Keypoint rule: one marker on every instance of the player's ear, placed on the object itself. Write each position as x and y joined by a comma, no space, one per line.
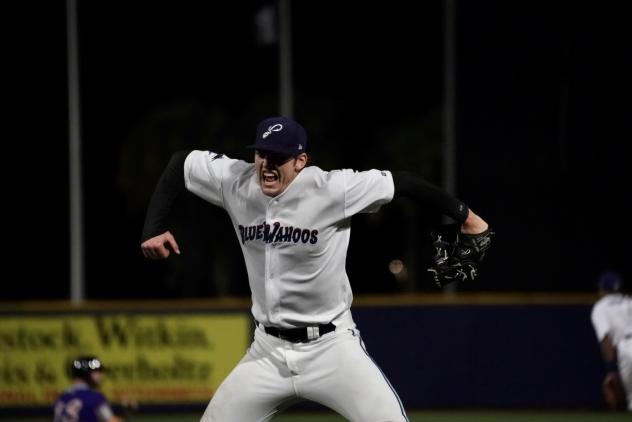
300,162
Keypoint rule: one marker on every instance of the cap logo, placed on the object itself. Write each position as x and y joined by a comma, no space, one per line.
273,128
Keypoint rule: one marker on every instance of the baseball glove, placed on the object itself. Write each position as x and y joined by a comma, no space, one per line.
457,256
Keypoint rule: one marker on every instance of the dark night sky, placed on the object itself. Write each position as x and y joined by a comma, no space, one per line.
541,133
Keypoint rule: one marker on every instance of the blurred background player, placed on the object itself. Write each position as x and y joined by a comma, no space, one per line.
82,402
612,319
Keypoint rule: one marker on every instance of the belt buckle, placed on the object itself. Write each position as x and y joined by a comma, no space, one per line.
307,334
313,333
295,335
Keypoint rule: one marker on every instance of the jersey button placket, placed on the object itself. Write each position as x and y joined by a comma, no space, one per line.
271,285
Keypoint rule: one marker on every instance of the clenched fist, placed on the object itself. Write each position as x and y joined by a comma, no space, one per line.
160,247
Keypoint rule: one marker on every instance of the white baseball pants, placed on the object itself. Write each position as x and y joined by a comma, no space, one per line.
334,370
624,356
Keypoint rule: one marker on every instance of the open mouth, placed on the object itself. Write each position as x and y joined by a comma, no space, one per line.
269,176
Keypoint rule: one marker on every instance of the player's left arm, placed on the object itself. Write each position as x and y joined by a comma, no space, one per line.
608,352
104,413
458,250
425,193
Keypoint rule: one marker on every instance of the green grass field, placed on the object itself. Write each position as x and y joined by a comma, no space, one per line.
420,416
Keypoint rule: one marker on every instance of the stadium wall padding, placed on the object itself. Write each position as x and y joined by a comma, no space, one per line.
440,354
519,356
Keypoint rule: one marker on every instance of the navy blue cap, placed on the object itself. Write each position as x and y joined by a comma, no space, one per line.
281,135
610,281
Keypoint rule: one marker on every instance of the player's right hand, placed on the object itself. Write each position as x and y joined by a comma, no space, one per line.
160,247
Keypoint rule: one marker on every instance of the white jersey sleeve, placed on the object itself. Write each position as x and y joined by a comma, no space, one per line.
600,322
205,172
612,316
366,191
104,412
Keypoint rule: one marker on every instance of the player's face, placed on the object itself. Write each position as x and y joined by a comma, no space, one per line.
277,171
96,376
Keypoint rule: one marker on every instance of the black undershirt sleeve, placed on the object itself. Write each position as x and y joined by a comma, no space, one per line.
170,185
419,190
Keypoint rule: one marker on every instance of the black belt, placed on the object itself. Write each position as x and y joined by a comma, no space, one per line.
300,335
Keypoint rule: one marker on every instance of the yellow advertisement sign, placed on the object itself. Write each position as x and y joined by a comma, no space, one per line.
153,358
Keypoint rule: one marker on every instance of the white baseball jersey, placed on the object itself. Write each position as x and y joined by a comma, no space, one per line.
612,316
295,244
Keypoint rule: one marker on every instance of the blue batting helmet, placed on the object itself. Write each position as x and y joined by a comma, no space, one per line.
610,281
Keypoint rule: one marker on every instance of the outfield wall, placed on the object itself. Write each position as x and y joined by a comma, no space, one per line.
487,356
465,351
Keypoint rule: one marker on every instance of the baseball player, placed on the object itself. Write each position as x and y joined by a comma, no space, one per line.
82,402
293,224
612,319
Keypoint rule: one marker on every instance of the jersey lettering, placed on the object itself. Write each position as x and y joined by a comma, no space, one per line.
69,411
276,233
